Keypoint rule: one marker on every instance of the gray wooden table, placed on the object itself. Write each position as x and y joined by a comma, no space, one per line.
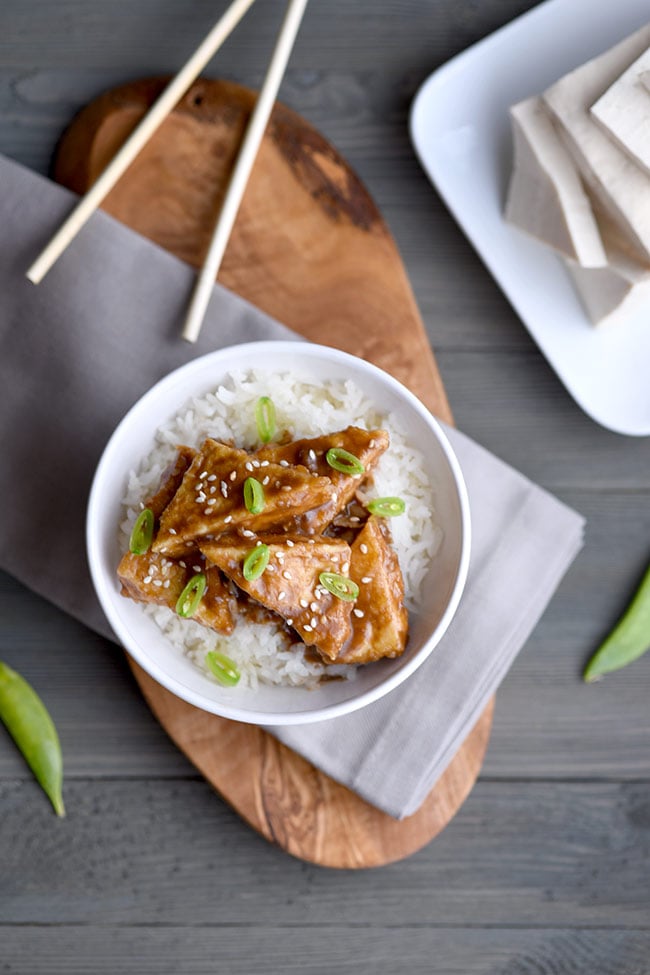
546,867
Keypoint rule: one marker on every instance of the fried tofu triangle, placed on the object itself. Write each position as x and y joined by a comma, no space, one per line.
366,445
379,618
152,578
210,500
170,481
290,586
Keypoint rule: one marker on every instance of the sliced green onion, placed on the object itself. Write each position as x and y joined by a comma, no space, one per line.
188,601
339,586
223,668
254,496
255,562
265,418
386,507
343,461
142,533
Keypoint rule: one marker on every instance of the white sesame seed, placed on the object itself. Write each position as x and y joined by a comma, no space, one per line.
311,541
335,557
197,568
270,568
366,579
284,463
358,612
157,582
183,564
153,567
207,511
265,480
256,463
247,533
212,477
312,455
363,548
227,519
314,607
307,627
264,463
304,603
335,496
248,466
289,622
224,489
345,567
172,531
258,543
202,475
233,475
281,595
141,506
213,489
372,443
166,584
286,487
317,592
286,574
277,484
290,544
313,622
147,580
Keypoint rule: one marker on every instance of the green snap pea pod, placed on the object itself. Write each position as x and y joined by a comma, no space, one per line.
31,727
629,639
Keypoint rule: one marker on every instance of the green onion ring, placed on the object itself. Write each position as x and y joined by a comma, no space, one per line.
142,533
223,668
343,461
254,496
339,586
386,507
188,601
255,562
265,418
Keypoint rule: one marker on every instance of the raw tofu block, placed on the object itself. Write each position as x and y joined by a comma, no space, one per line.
611,293
546,198
619,184
623,112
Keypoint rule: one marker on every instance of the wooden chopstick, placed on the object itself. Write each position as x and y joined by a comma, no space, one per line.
243,166
143,131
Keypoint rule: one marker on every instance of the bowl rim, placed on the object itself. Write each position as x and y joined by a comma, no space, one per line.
172,684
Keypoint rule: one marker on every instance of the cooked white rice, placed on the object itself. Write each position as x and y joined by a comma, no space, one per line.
304,409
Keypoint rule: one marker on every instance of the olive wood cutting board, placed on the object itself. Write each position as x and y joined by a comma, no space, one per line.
310,248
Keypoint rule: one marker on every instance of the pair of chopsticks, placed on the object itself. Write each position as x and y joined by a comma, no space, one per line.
154,118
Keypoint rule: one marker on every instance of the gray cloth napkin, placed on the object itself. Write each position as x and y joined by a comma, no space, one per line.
75,354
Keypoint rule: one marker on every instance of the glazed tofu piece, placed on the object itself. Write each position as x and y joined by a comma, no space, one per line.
366,445
170,481
379,618
153,578
290,584
210,500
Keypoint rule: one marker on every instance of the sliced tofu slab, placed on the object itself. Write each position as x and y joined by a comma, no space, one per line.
366,445
609,294
170,481
623,112
152,578
622,188
545,197
210,500
290,585
379,617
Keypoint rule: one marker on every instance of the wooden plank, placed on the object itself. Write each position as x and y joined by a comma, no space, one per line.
320,950
169,852
348,290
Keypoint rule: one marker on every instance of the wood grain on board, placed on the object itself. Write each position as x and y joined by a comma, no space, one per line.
310,248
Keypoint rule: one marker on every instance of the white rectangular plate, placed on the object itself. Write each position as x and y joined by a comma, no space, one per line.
461,132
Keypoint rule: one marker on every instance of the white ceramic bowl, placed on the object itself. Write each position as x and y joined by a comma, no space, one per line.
272,705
